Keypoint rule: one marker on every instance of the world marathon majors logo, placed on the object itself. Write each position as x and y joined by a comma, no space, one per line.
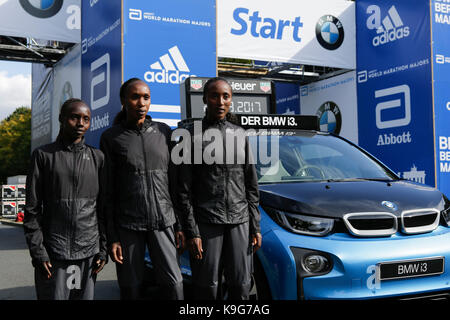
41,9
330,118
329,32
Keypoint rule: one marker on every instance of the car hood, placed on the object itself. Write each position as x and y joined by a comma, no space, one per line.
334,199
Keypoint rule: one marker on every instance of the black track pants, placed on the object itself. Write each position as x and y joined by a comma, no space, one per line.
228,247
162,251
71,280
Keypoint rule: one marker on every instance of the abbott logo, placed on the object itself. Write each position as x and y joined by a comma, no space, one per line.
171,68
100,78
362,76
135,14
396,103
390,29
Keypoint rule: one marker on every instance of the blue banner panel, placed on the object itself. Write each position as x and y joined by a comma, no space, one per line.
395,114
287,98
101,64
440,20
166,42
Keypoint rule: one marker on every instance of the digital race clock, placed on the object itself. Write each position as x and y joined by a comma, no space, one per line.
250,96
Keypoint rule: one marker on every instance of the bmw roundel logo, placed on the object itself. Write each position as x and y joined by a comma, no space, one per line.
389,205
329,32
41,8
330,118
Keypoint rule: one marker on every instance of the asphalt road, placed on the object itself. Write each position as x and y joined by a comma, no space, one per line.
17,274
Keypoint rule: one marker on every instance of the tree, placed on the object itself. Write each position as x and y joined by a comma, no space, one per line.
15,143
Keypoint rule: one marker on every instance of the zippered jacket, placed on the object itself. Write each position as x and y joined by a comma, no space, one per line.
63,218
139,192
218,193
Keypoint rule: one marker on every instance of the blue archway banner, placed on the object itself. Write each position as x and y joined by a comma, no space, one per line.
394,87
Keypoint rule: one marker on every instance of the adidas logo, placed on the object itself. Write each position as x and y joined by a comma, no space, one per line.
391,27
172,68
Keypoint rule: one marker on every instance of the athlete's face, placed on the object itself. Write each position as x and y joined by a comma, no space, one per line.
137,102
218,100
75,121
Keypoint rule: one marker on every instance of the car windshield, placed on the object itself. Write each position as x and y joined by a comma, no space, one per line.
298,156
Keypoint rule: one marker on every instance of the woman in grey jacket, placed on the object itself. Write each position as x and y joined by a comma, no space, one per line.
219,201
140,196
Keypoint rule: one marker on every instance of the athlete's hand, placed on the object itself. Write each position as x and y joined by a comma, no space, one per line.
195,248
46,267
256,241
116,252
180,240
98,266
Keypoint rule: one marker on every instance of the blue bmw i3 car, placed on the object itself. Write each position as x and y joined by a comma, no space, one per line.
339,224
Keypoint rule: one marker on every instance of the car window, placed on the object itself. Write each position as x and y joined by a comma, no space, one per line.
312,157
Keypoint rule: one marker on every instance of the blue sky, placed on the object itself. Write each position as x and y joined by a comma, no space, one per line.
15,86
14,68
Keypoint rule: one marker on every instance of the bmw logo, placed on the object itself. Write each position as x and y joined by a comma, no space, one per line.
330,118
389,205
329,32
41,8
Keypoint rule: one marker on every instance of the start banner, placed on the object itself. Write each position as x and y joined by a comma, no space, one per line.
321,34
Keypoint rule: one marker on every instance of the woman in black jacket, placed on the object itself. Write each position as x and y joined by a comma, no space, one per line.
63,223
220,202
139,196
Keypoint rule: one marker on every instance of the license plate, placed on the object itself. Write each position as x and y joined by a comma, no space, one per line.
410,268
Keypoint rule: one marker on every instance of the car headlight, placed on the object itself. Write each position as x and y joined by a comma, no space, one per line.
302,224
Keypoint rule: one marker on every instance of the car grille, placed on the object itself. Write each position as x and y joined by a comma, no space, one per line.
378,224
420,221
371,224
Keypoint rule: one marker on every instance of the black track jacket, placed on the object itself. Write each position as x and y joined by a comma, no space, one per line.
63,218
219,193
139,193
